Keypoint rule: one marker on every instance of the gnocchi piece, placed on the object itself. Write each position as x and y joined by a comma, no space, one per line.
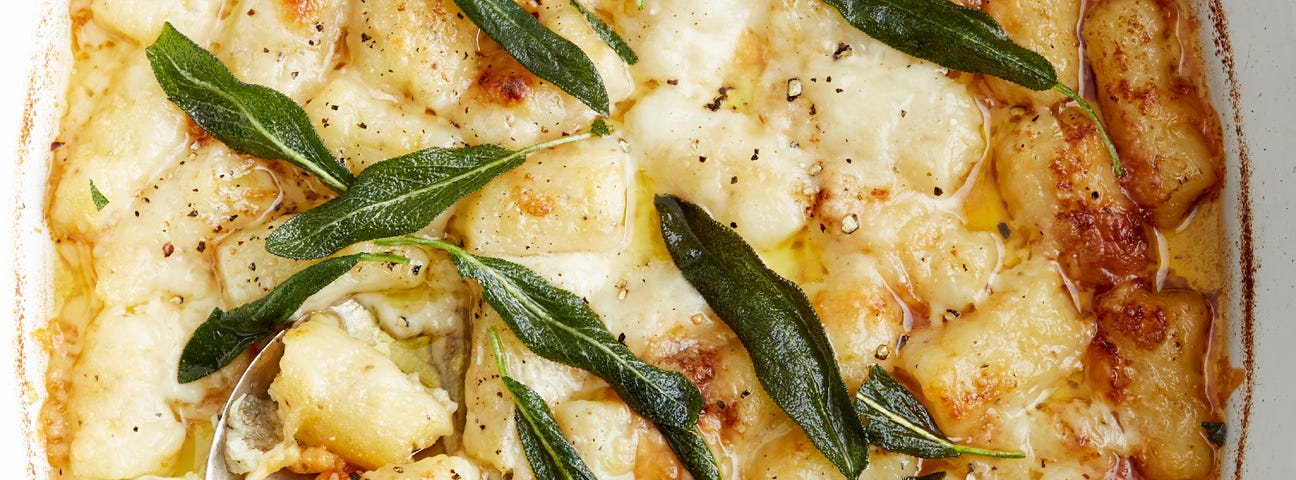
123,388
426,50
1002,356
1049,29
490,431
854,217
130,141
508,105
440,467
337,392
289,46
691,40
1165,130
141,20
743,171
1062,436
791,456
603,435
571,25
172,229
949,266
574,198
1059,186
432,310
855,101
738,417
928,142
365,125
863,319
652,305
1150,354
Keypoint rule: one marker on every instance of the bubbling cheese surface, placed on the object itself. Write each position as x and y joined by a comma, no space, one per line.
966,234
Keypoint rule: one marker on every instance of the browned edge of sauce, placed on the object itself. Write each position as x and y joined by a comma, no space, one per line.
40,79
1245,242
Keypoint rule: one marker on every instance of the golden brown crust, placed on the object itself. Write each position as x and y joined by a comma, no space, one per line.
507,86
1155,104
1148,358
303,12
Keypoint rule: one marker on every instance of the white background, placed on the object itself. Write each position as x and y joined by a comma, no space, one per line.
17,33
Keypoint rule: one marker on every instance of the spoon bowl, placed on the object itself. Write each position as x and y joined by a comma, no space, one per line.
256,383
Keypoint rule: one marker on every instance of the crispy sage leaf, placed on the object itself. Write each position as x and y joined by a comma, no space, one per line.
249,118
692,451
898,422
1215,432
950,35
550,454
220,339
609,36
774,320
399,196
559,326
540,50
960,38
100,201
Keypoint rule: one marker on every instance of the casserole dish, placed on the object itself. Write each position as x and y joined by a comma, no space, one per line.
1254,194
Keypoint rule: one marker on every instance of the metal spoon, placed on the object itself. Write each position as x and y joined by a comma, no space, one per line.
255,382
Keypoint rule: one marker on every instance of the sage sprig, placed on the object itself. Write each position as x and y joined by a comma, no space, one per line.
543,52
961,38
550,454
400,196
560,326
100,201
609,36
251,119
775,322
220,339
898,422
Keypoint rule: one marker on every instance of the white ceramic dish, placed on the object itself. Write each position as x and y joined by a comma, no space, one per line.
1252,74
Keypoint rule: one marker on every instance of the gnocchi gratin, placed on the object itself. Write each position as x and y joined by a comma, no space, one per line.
966,234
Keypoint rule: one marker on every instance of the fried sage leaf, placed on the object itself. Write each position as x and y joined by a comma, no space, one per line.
249,118
400,196
774,320
543,52
960,38
898,422
609,36
550,454
559,326
100,201
692,451
220,339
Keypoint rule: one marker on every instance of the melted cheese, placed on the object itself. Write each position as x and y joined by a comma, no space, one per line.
956,231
